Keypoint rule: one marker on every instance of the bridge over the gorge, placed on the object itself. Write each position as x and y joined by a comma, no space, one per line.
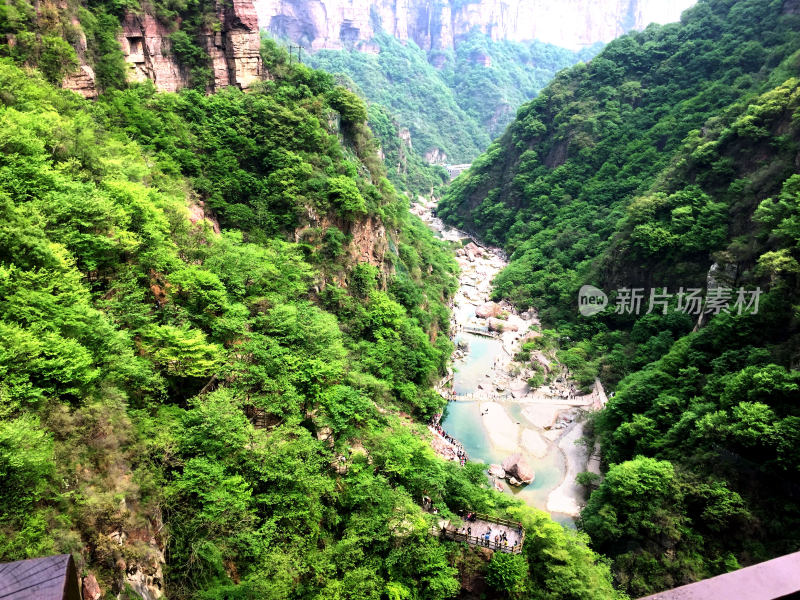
456,170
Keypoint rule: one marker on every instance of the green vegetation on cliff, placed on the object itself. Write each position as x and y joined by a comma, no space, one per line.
400,78
451,101
177,267
491,79
673,151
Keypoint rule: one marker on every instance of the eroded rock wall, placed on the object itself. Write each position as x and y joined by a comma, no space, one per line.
145,41
241,42
148,52
338,24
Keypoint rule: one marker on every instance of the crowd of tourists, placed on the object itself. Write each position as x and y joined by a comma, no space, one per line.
455,447
500,539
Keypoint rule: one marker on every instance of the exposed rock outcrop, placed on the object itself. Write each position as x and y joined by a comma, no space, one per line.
405,149
497,471
501,325
518,468
146,583
241,40
148,51
198,213
351,24
435,156
370,242
538,358
144,574
82,81
488,310
90,589
233,50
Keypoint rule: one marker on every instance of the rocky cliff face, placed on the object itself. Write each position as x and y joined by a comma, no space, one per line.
145,42
148,52
338,24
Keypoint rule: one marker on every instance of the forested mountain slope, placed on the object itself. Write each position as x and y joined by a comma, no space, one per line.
452,73
175,267
672,156
453,101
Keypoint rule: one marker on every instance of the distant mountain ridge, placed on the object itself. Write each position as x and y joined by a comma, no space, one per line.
352,24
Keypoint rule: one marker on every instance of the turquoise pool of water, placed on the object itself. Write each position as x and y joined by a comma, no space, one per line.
477,364
462,420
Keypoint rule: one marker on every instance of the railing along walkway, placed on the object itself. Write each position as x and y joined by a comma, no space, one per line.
477,331
474,533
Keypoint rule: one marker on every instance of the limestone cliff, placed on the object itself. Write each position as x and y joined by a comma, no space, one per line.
338,24
147,49
233,50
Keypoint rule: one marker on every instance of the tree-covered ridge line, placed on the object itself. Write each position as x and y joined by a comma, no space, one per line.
672,152
134,343
453,101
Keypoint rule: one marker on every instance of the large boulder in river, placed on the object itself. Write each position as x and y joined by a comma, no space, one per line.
473,250
497,471
490,309
500,325
518,467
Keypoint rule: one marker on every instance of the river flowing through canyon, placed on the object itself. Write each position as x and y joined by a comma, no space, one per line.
493,414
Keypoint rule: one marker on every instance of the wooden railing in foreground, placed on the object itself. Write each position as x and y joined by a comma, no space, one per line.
474,540
498,520
452,533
